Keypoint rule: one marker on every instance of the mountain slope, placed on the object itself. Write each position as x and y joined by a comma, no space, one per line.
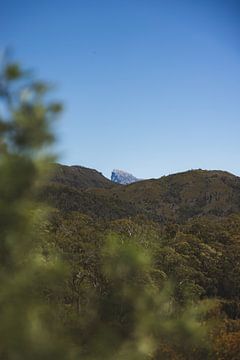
79,177
185,195
174,198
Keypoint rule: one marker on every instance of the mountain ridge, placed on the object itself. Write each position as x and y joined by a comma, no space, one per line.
79,177
172,198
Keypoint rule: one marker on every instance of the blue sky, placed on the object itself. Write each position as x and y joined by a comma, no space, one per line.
149,86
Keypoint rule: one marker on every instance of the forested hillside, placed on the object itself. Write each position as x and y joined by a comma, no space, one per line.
190,223
79,177
173,198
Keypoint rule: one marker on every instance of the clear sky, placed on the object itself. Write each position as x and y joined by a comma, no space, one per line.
149,86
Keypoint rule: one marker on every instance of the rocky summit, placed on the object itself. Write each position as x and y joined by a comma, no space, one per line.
122,177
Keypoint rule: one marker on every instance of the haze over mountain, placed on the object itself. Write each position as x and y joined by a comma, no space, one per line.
123,177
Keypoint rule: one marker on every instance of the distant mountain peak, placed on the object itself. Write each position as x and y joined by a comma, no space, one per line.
123,177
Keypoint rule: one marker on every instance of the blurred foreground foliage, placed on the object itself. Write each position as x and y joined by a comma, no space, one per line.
29,329
73,287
